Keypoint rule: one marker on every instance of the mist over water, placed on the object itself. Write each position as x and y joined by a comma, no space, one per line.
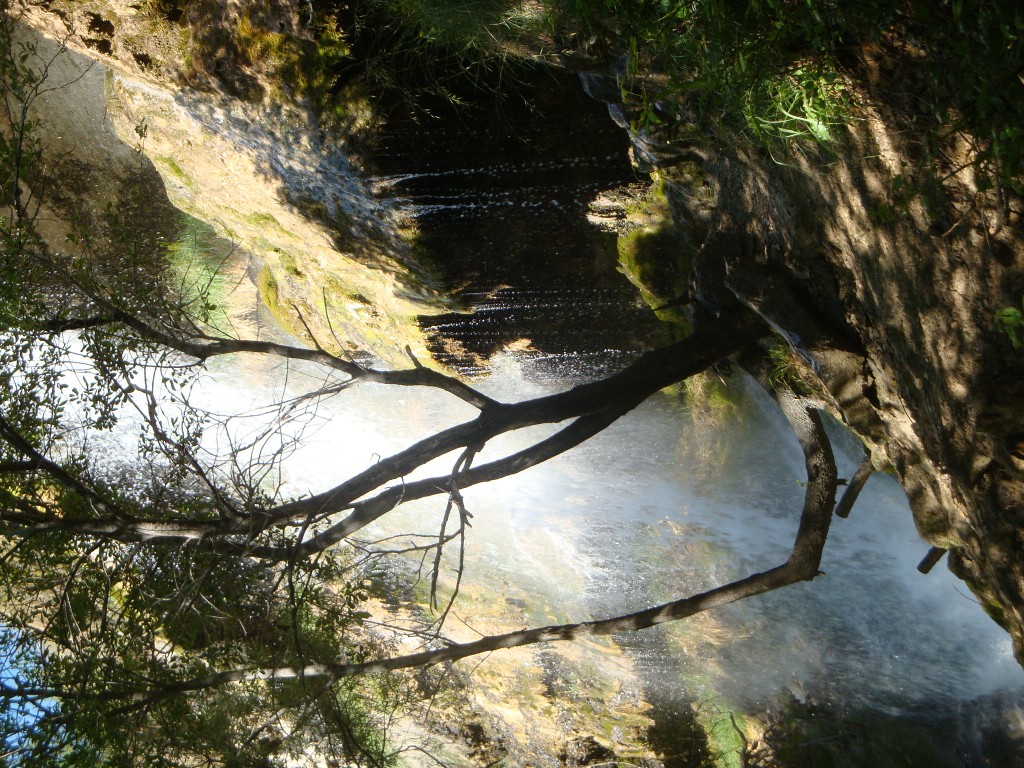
667,503
660,506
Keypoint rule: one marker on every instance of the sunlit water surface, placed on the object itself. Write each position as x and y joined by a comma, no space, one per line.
665,503
661,505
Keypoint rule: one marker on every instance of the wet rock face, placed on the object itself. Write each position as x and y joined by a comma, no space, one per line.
891,296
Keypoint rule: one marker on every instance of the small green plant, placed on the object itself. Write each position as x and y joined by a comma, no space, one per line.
780,69
1010,320
806,102
786,370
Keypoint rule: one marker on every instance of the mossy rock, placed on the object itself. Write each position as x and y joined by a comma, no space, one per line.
291,266
652,254
270,295
176,171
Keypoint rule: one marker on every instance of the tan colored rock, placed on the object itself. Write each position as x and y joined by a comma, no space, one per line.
317,248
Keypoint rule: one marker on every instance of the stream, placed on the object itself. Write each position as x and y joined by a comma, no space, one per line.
872,664
868,663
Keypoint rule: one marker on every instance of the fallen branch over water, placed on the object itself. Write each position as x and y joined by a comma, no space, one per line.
802,565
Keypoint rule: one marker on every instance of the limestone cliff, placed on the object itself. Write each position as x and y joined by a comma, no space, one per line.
307,239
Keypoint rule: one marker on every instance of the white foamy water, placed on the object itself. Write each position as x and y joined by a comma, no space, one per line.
659,506
872,620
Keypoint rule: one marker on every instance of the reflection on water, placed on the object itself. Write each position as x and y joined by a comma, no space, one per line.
556,322
502,187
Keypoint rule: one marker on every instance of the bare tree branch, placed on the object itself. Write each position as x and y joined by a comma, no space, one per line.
206,347
652,372
852,492
594,405
802,565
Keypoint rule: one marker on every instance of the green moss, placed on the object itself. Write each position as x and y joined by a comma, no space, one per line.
303,67
653,256
647,255
715,399
723,727
172,167
290,265
995,610
990,605
258,44
266,284
262,219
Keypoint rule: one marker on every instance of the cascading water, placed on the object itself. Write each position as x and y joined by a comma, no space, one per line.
663,505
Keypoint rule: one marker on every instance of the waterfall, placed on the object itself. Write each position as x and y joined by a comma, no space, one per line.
665,503
668,503
661,505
